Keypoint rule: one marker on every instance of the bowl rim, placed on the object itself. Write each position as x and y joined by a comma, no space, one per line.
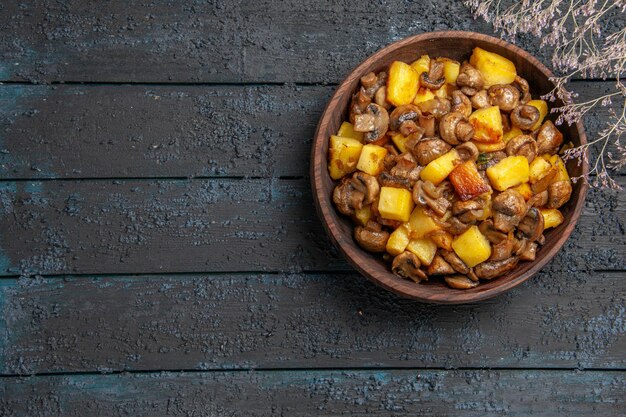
405,288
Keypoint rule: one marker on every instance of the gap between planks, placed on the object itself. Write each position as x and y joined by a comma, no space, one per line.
321,369
226,84
192,275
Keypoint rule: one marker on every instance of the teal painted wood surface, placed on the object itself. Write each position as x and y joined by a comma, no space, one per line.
218,41
321,393
117,131
248,321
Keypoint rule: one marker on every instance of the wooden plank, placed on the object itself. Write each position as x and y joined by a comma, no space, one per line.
320,393
221,41
100,131
160,226
559,319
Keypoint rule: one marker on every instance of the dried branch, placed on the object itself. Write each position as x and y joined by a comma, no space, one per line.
573,28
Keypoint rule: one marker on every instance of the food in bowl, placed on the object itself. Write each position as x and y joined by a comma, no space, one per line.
449,169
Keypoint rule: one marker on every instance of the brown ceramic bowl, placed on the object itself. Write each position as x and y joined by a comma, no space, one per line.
456,45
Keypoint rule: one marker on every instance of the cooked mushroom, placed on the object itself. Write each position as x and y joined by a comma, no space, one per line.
406,167
470,80
429,149
549,138
460,282
524,116
427,122
388,180
523,145
503,249
402,114
532,224
434,78
369,79
471,275
366,184
506,121
454,128
406,265
380,97
372,83
469,211
426,194
509,208
373,122
493,269
461,103
491,233
538,200
437,106
505,96
525,249
559,193
480,100
371,239
455,226
438,266
467,151
522,85
352,193
454,261
359,103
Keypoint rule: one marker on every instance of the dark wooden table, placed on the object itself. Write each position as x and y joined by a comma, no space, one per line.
160,254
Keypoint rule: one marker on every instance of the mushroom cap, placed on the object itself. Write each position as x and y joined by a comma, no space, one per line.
461,103
460,282
426,194
468,151
427,122
469,79
480,100
549,138
522,85
371,240
532,224
454,128
523,145
374,122
509,208
503,249
490,232
559,193
524,116
439,266
434,78
454,261
406,265
505,96
429,149
367,184
493,269
402,114
352,193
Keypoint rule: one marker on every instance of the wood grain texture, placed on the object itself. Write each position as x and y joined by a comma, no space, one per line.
320,393
217,41
97,131
558,319
159,226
